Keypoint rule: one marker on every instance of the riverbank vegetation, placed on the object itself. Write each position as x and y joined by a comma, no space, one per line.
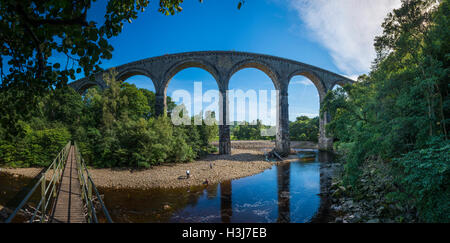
303,129
395,120
51,43
249,131
115,127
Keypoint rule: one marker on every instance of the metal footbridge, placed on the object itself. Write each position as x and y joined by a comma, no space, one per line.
67,192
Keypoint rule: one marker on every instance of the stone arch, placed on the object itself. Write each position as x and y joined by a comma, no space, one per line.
86,86
313,77
260,65
83,85
190,63
130,72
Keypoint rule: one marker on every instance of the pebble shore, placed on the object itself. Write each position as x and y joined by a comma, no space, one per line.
247,159
241,163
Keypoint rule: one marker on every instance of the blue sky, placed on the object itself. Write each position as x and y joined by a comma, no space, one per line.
335,35
260,27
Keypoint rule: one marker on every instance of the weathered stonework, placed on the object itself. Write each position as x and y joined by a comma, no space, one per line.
222,65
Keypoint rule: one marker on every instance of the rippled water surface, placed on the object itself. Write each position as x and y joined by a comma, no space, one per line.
285,193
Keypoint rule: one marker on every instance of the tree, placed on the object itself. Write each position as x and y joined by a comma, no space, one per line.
31,32
40,113
407,30
304,129
65,105
249,131
34,31
398,115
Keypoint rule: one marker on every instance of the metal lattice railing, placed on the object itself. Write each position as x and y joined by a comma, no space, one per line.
48,191
87,185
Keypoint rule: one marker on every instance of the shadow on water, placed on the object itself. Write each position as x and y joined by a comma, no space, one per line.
288,192
13,190
284,197
226,210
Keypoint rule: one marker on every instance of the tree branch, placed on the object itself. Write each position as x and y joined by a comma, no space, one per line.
80,20
39,55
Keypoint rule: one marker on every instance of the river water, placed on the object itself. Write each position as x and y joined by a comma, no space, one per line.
288,192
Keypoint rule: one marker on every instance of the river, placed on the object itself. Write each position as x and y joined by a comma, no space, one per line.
285,193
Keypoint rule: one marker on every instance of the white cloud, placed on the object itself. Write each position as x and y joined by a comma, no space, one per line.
346,28
303,82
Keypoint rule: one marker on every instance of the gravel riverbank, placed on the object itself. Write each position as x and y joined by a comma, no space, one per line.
241,163
247,159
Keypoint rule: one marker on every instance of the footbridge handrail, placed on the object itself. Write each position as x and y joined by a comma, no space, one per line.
87,185
57,167
50,191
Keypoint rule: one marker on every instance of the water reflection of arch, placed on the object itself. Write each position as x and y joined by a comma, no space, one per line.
211,191
325,157
226,210
284,195
326,171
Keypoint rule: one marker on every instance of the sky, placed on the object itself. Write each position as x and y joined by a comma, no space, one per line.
336,35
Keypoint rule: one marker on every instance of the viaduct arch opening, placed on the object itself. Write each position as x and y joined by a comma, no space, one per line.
324,142
251,90
201,87
304,101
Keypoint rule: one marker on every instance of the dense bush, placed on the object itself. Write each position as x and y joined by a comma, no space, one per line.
304,129
115,127
248,131
35,148
425,176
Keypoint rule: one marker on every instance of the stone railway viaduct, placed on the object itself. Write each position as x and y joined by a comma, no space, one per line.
222,65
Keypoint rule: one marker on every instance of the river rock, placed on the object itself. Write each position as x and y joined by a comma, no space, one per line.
336,207
348,204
